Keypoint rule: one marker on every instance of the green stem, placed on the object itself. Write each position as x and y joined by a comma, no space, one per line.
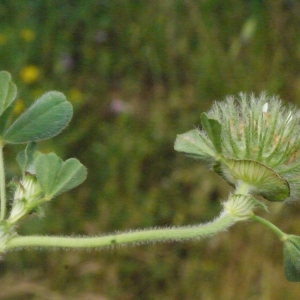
282,236
142,236
242,188
2,185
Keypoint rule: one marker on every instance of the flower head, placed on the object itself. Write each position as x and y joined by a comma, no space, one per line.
250,139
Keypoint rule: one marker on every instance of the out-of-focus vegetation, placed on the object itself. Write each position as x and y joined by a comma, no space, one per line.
138,73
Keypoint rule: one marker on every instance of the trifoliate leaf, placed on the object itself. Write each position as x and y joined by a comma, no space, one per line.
46,118
47,168
56,176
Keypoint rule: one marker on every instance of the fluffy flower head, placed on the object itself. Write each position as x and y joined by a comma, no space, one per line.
250,139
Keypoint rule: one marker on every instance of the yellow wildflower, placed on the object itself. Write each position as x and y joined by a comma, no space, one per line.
3,39
75,95
29,74
27,35
19,107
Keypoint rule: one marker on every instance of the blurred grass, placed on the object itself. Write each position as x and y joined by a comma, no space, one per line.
138,73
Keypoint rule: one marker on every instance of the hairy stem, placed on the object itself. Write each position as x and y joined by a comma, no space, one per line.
282,236
2,185
223,222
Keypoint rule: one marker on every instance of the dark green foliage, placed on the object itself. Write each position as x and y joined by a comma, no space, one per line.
167,61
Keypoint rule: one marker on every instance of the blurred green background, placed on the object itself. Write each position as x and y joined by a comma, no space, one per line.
138,73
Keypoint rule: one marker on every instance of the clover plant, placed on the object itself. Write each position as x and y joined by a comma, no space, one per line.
252,142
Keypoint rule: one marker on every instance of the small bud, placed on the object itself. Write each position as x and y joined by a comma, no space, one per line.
18,210
28,189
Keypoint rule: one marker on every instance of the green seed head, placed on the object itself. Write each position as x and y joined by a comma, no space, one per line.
250,139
